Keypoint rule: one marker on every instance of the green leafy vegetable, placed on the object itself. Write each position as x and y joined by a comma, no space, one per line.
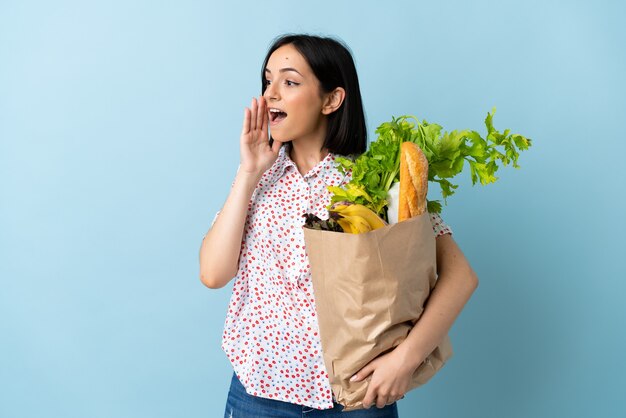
376,170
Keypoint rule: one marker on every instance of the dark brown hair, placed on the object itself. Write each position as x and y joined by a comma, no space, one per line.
332,64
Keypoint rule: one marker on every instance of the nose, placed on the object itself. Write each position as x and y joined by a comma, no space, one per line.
270,92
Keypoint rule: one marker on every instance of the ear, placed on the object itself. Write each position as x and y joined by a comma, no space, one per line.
333,100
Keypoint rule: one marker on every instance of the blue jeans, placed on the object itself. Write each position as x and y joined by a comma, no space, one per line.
240,404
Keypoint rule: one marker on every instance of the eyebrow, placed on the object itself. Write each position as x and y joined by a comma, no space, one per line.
282,70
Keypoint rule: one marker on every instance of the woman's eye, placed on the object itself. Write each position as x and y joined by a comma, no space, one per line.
292,83
267,82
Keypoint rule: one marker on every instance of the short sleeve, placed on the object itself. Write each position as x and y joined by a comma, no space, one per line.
439,226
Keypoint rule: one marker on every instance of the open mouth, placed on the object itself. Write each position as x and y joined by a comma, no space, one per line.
276,115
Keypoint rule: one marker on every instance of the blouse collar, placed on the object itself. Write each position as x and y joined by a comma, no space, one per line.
283,162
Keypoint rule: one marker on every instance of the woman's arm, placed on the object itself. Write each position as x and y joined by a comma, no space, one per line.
221,247
393,371
455,284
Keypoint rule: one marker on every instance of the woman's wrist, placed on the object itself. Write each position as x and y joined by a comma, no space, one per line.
249,179
409,356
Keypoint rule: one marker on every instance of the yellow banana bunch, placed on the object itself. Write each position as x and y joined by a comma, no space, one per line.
355,218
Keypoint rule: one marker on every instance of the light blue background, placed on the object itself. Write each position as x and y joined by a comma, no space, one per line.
119,130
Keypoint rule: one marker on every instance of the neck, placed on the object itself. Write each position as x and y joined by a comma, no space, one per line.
306,155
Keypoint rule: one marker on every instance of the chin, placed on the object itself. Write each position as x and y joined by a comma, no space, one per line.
280,139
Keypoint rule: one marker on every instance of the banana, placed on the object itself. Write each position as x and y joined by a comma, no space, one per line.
346,226
359,224
361,211
374,220
356,219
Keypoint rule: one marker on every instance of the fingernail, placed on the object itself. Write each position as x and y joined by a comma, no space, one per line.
353,378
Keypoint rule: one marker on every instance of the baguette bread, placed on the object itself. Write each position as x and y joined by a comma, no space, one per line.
413,181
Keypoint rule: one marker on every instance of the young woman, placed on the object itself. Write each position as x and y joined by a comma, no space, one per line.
311,104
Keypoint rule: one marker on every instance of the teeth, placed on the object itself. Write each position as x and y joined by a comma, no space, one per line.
276,110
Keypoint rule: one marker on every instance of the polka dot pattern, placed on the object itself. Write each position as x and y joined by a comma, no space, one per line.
271,335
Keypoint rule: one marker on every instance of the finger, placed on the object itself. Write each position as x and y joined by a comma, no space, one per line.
261,113
370,395
363,373
266,117
381,401
253,113
246,121
391,400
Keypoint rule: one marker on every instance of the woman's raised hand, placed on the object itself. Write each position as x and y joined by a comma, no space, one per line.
256,153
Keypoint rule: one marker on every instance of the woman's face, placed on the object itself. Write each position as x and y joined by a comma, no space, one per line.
294,98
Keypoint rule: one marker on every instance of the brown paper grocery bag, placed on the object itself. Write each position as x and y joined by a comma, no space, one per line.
370,290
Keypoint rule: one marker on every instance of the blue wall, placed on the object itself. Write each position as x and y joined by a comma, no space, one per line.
119,131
